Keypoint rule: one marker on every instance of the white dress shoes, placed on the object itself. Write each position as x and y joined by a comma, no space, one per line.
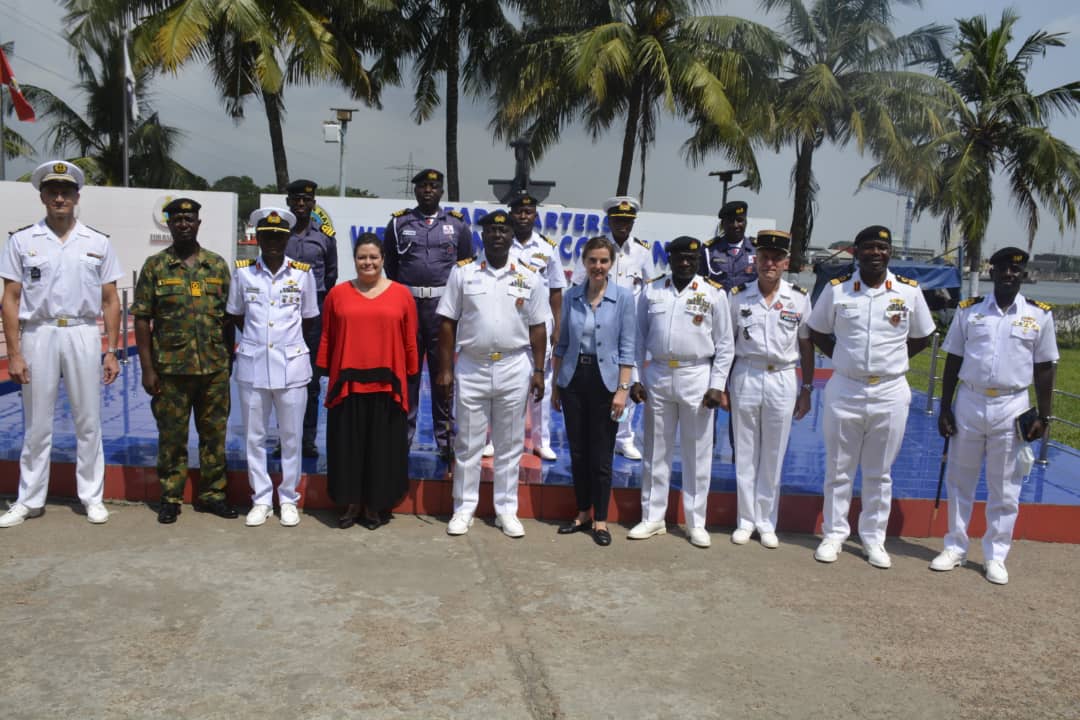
489,450
741,536
699,537
290,516
876,556
828,550
257,515
96,514
947,560
628,450
644,530
17,513
546,453
459,524
996,572
510,525
769,540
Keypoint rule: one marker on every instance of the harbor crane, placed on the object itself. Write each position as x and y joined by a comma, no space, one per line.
909,210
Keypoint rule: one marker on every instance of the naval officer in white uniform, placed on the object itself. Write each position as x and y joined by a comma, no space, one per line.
683,322
59,275
997,346
769,317
631,268
496,312
869,322
272,299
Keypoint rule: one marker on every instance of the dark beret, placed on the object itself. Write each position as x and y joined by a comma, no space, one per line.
427,175
874,232
734,209
683,243
496,217
1009,256
301,187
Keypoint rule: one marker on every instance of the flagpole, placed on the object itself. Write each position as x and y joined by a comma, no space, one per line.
3,149
127,102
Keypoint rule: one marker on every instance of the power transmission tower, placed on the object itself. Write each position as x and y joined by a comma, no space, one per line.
410,171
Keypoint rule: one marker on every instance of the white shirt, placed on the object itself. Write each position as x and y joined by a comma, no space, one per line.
272,353
542,254
769,332
494,308
1000,347
694,324
59,279
871,325
632,263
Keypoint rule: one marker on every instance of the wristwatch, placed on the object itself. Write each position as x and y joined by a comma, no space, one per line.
624,386
808,387
1045,419
538,370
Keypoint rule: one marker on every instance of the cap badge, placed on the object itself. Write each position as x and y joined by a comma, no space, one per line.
883,234
59,168
273,218
432,176
185,206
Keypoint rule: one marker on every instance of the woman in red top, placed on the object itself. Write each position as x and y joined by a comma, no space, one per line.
368,348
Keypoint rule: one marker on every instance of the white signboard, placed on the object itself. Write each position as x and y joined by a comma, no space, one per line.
569,227
131,217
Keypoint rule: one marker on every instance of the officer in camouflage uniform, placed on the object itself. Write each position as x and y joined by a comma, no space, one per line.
184,355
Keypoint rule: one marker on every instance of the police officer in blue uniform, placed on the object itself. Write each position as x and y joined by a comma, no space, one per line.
729,258
312,241
422,246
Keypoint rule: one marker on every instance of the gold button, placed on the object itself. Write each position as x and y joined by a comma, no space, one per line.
673,363
873,380
991,392
271,345
271,323
770,367
271,302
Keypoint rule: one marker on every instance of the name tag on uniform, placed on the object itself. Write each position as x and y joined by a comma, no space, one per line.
35,273
408,232
196,288
789,316
447,229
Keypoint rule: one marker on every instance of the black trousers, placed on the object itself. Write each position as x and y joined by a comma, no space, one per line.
591,433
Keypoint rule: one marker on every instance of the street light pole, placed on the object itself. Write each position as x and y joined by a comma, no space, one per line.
344,115
726,177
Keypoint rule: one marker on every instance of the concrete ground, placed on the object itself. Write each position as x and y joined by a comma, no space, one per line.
209,619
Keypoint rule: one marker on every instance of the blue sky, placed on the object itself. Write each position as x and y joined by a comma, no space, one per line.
381,142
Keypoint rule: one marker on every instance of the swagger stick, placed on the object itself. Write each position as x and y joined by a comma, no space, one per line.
940,480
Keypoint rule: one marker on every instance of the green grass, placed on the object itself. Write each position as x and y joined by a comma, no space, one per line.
1068,380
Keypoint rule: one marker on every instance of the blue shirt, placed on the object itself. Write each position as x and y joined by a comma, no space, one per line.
316,246
421,251
614,332
729,264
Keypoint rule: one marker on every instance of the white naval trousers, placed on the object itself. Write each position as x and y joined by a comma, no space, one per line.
985,427
490,393
762,402
75,353
673,401
540,411
864,427
288,405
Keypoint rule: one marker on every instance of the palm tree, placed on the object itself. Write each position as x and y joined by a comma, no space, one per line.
602,61
998,124
460,40
96,134
257,47
844,78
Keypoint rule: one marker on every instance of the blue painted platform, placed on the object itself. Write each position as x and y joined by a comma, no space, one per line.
131,440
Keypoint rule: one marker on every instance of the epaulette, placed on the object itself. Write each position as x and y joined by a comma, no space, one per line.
908,281
327,229
737,289
840,280
717,285
530,267
798,288
457,214
463,263
549,241
245,263
1041,305
399,213
96,230
301,266
969,302
643,243
658,277
20,229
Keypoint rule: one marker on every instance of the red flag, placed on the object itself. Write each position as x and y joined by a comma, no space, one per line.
22,108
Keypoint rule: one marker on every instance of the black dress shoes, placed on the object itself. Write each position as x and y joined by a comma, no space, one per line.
310,450
573,527
216,507
601,537
167,513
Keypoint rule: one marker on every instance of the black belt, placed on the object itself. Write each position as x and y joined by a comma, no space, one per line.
586,359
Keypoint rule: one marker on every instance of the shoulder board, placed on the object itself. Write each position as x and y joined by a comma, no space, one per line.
327,230
1041,305
735,290
798,288
840,280
549,241
463,263
529,267
644,243
21,229
399,213
658,277
245,263
969,302
96,230
908,281
301,266
717,285
455,213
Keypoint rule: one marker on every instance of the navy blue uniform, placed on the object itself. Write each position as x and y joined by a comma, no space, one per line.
730,264
420,252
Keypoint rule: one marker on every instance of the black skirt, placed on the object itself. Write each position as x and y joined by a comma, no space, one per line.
367,451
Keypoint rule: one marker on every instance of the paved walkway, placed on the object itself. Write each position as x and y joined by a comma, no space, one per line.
208,619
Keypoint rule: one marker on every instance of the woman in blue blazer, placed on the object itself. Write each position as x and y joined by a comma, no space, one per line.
591,364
